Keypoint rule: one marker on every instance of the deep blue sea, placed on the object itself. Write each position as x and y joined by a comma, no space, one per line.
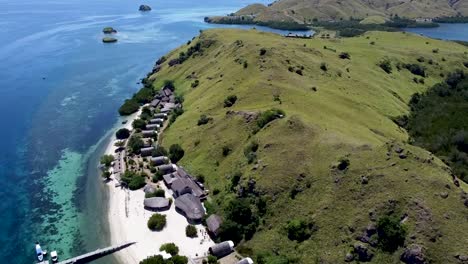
60,88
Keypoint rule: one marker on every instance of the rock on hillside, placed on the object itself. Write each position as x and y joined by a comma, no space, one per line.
324,179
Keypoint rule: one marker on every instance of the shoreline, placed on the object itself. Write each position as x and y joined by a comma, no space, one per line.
127,220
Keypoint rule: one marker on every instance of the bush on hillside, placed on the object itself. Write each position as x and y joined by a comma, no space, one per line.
176,112
170,248
391,233
323,66
157,222
195,84
176,153
191,231
230,100
386,66
299,229
122,133
344,56
203,120
226,150
416,69
268,116
169,84
262,51
129,107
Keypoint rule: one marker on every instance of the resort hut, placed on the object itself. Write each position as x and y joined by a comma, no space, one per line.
156,204
245,261
152,127
169,179
214,223
158,121
180,187
155,103
222,249
145,152
160,115
161,160
167,168
167,92
168,107
148,133
191,207
149,189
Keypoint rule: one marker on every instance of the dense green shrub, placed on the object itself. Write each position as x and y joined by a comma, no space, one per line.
136,183
391,233
159,151
191,231
344,56
262,51
299,229
139,124
203,120
212,260
245,64
230,100
157,222
178,260
176,112
158,259
416,69
226,150
268,116
169,84
129,107
386,66
170,248
156,193
195,84
122,133
176,153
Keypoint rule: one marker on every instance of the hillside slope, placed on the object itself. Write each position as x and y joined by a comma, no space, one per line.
308,10
336,161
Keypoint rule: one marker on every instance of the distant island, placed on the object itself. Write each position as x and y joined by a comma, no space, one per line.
109,40
144,8
109,30
389,14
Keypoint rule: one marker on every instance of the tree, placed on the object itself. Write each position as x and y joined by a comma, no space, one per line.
139,124
122,133
179,260
204,120
299,230
230,100
156,193
169,84
157,222
386,65
262,51
136,183
268,116
135,143
212,260
176,153
191,231
106,175
391,233
170,248
129,107
107,160
158,259
159,151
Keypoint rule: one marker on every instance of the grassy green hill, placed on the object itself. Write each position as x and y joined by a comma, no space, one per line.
308,10
335,164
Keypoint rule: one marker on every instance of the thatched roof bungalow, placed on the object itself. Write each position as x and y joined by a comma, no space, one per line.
168,107
161,160
156,204
214,224
160,115
145,152
245,261
222,249
158,121
191,207
167,168
148,133
155,103
180,187
152,127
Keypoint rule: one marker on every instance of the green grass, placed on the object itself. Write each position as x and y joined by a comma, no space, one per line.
328,118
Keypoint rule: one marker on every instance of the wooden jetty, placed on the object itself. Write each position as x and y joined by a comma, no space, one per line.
91,256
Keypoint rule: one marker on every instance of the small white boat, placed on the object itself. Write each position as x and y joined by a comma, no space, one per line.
39,252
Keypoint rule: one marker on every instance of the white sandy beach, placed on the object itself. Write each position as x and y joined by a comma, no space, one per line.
128,223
